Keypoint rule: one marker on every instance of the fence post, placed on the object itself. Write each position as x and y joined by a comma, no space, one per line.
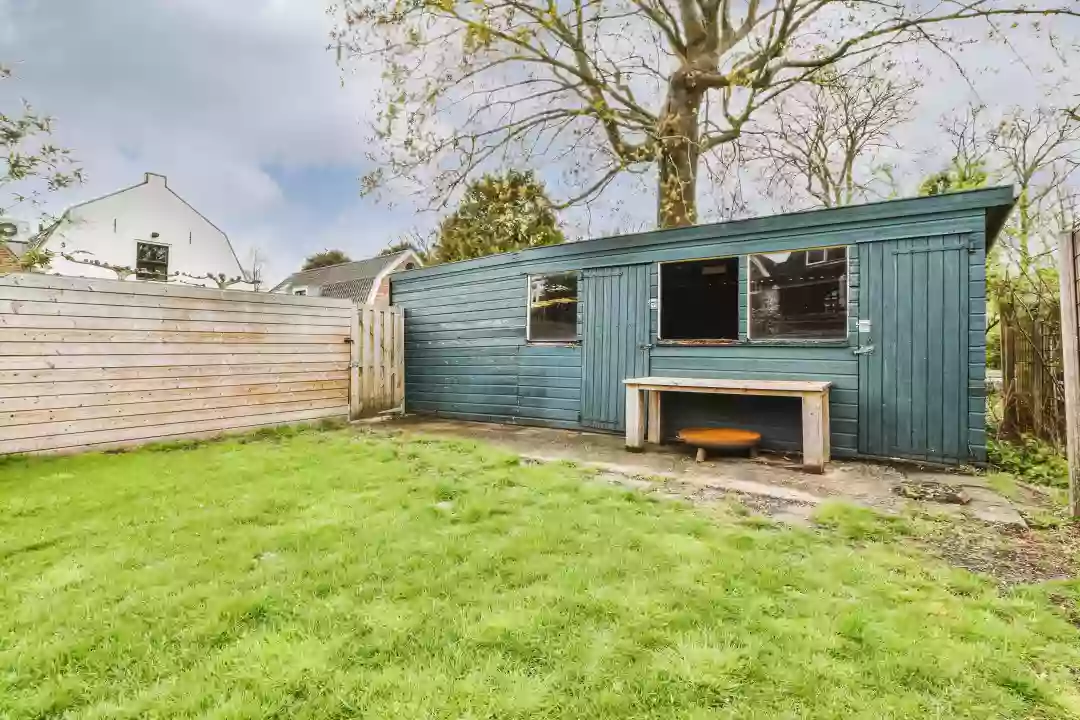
354,365
1008,373
399,359
1069,257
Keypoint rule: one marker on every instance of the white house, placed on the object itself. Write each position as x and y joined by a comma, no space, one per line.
146,227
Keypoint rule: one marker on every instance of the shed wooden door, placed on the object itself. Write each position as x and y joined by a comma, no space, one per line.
615,339
913,369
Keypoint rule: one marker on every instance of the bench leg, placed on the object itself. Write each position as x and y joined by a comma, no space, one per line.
635,419
654,417
700,457
826,424
815,432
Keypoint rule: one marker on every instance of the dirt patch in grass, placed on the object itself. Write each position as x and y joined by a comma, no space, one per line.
1009,555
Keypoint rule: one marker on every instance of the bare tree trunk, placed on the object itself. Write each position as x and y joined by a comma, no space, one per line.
680,149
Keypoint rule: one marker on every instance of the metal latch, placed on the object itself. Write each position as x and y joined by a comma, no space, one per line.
863,350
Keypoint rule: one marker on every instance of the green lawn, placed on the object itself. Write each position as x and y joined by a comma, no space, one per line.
330,574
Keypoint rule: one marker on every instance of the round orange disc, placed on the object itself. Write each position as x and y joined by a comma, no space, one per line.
719,438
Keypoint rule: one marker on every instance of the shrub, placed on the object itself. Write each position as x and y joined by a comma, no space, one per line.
1031,460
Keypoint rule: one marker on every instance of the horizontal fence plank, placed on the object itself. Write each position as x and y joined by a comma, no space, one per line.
57,282
39,396
125,437
31,423
114,349
219,372
74,427
16,362
20,307
70,336
83,323
241,303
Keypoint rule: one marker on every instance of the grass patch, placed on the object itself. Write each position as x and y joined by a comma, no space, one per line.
858,523
1003,484
325,574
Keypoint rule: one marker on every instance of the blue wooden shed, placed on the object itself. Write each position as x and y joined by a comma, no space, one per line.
886,301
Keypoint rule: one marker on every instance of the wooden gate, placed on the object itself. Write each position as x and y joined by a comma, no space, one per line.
378,361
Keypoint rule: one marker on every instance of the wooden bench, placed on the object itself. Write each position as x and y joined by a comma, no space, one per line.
815,408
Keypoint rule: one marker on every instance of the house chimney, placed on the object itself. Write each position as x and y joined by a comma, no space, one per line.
155,179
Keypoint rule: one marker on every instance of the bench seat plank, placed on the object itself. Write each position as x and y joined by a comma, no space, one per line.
793,387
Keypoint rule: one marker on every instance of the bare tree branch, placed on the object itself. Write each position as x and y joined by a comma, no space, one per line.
632,85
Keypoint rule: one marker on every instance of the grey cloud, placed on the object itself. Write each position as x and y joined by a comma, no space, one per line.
208,92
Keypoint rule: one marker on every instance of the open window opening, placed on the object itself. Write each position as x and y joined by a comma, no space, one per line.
699,300
800,295
553,304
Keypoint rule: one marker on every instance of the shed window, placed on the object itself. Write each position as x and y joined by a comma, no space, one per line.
699,300
800,295
151,261
553,303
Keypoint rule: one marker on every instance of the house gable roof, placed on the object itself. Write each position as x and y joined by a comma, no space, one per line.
43,237
342,273
356,290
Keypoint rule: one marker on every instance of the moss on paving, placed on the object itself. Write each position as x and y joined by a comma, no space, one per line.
326,574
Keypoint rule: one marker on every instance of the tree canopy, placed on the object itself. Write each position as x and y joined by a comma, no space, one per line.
603,88
498,213
399,246
32,167
324,258
961,174
831,140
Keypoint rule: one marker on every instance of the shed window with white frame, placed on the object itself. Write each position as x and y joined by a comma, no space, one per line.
553,304
799,295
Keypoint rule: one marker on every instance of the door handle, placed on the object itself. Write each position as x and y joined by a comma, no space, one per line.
863,350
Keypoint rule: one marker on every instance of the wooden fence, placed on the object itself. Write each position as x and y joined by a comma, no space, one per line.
1069,257
98,364
1032,388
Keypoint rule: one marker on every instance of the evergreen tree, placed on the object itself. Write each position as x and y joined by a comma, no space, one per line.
499,213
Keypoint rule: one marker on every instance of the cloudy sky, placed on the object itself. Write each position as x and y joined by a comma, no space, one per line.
239,103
